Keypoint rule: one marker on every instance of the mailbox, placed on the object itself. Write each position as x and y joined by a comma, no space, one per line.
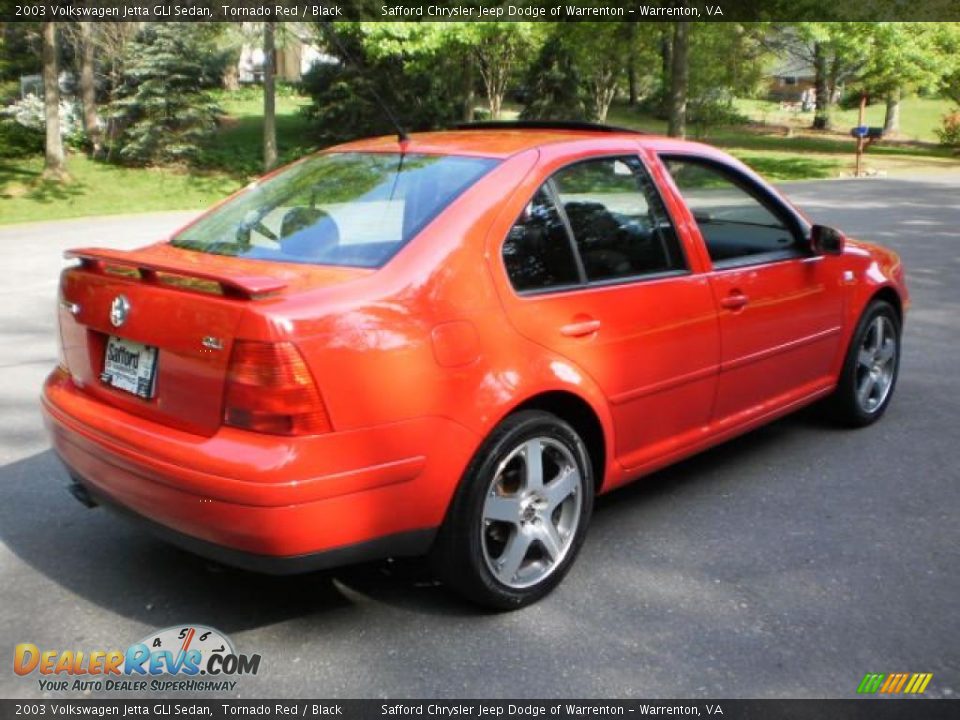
869,133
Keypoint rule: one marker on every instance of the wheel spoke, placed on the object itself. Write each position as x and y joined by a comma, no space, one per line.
562,487
513,555
549,537
876,333
533,459
865,357
865,389
502,508
887,351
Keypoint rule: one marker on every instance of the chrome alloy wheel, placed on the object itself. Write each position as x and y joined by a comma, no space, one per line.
531,512
876,364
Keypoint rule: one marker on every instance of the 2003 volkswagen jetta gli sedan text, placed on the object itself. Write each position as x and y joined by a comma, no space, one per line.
448,344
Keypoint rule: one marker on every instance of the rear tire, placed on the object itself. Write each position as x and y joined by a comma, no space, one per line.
871,368
520,514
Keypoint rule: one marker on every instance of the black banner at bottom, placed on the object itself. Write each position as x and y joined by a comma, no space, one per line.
872,709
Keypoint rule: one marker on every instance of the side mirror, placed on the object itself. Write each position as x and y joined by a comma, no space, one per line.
826,240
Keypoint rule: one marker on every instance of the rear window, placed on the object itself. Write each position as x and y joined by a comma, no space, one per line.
353,209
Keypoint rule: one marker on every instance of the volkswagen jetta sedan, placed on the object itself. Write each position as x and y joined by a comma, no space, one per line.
449,344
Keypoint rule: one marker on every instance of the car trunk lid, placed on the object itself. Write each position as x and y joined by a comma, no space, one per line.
188,305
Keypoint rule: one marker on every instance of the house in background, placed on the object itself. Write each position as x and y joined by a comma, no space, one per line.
789,79
296,54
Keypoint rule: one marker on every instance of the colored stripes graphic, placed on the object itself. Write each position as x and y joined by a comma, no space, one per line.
895,683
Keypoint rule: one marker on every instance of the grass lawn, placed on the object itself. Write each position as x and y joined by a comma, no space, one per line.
100,189
232,158
919,117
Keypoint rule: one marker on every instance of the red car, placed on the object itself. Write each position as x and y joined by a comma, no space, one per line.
449,344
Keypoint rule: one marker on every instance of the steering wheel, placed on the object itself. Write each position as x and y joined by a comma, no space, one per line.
254,221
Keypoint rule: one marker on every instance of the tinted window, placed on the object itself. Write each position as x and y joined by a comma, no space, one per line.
537,251
734,221
336,209
618,220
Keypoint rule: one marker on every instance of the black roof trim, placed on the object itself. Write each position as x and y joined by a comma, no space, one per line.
545,125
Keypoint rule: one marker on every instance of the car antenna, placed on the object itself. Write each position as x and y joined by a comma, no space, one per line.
331,34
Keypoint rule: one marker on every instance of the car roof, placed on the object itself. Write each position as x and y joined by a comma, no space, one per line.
501,140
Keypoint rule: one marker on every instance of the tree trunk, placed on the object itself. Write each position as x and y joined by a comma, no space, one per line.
269,97
891,121
679,77
54,167
821,116
231,77
632,65
469,95
666,68
88,89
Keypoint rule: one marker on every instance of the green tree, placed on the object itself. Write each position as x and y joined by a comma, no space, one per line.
900,58
551,87
162,112
414,69
498,49
603,53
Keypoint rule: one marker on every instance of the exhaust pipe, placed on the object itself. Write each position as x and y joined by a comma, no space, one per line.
82,495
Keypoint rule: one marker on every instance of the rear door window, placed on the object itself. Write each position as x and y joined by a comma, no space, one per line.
618,219
538,253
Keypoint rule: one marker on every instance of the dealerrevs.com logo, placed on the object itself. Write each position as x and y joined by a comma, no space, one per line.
179,658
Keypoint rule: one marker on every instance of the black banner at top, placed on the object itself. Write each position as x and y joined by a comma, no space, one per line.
476,10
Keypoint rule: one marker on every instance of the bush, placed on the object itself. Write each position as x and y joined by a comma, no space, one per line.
25,124
17,140
949,132
707,114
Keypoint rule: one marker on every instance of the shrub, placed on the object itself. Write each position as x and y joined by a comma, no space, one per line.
949,132
25,121
17,140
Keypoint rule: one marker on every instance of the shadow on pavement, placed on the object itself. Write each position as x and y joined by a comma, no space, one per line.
117,565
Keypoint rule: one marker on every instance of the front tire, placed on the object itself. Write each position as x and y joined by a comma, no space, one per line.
520,514
871,368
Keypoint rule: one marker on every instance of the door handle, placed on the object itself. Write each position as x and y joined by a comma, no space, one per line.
580,328
734,301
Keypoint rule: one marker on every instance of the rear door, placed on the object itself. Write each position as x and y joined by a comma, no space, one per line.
598,275
780,306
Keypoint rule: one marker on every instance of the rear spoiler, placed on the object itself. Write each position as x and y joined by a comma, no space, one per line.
236,285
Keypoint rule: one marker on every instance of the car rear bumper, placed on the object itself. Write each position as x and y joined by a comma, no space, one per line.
264,502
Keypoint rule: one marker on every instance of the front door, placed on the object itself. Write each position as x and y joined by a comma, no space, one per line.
780,305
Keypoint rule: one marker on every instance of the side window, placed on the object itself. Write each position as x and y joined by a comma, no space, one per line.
618,219
736,224
537,252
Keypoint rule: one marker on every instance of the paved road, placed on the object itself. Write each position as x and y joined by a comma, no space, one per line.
786,563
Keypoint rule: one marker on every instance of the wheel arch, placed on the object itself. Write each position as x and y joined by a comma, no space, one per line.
582,417
889,294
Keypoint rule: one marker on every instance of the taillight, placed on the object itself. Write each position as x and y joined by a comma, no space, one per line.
270,390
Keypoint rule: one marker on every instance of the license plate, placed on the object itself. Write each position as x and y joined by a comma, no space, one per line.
130,366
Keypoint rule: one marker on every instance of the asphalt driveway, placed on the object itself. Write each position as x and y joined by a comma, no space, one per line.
786,563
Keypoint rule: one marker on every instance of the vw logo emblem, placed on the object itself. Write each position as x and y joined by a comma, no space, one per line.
119,309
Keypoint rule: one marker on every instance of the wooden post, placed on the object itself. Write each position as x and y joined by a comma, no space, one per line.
863,108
